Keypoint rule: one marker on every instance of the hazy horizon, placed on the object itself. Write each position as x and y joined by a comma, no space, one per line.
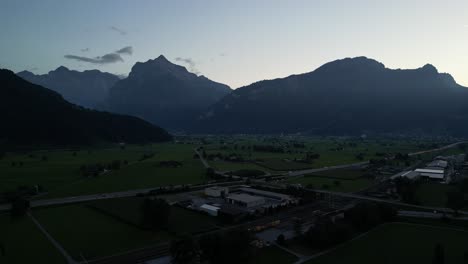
233,43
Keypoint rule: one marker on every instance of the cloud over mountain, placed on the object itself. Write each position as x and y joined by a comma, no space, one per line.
108,58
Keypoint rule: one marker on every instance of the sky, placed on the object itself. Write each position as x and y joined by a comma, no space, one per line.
233,42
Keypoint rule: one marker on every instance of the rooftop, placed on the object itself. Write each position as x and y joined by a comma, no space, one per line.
438,163
243,197
430,171
265,193
210,207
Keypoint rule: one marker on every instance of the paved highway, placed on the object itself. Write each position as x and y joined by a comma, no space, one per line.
129,193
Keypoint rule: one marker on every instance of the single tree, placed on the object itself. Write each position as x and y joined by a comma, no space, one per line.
439,257
185,251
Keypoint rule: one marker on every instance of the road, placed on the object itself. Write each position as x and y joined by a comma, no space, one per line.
129,193
202,159
437,149
357,164
362,197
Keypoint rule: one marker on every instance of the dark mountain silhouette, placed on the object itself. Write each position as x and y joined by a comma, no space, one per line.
164,93
348,96
34,115
88,88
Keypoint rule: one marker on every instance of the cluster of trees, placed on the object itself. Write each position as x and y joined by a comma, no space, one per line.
19,207
361,218
456,198
93,170
268,148
312,156
231,247
146,156
360,156
170,164
166,190
235,157
156,213
19,199
17,164
248,173
21,192
406,189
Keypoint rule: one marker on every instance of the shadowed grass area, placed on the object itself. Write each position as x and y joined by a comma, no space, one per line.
82,230
433,194
181,221
333,184
273,255
23,242
142,174
399,243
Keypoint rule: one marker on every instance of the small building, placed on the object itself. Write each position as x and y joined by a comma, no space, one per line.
210,209
245,200
217,191
433,174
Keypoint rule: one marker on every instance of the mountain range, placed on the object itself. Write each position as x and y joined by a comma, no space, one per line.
164,93
344,97
88,88
34,116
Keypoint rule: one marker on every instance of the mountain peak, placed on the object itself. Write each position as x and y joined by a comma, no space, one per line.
352,63
25,72
161,58
430,68
60,69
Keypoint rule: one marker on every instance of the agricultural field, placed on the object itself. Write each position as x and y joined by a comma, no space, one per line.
340,180
181,221
290,153
399,243
273,255
142,174
55,168
83,231
345,174
225,166
21,248
333,184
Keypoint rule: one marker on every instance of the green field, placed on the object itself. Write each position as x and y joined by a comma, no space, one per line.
82,230
399,243
233,166
142,174
350,173
333,151
181,221
278,164
273,255
330,184
59,174
23,242
60,168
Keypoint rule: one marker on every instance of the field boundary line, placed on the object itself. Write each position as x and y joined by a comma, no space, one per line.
54,242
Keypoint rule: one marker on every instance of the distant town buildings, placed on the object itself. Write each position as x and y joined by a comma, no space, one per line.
441,169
